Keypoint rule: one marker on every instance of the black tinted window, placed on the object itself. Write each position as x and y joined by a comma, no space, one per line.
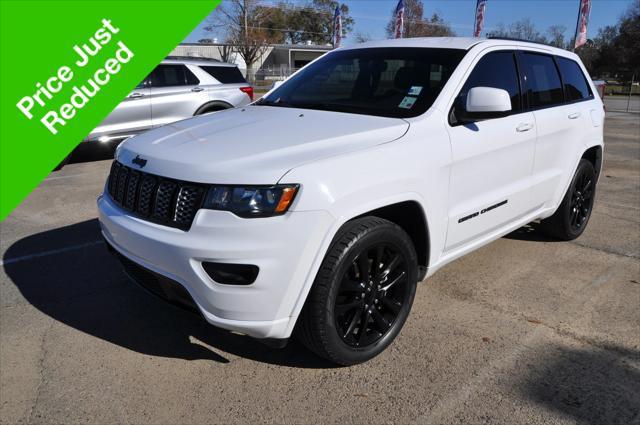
172,75
575,83
542,85
497,70
391,82
225,74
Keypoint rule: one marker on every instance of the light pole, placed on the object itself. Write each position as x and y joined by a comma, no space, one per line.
633,77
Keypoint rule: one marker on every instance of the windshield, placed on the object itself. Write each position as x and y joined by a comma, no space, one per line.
388,82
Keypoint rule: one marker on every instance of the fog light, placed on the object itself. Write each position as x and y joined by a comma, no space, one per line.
231,274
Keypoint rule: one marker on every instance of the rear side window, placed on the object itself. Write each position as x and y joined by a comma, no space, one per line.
497,70
172,75
542,86
225,74
574,81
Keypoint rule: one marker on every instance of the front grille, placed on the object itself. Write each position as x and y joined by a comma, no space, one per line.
157,199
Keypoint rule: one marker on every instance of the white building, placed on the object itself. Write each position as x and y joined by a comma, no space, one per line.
278,61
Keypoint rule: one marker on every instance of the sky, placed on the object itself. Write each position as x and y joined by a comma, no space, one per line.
371,16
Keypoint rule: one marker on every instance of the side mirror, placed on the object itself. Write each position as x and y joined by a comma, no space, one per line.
485,103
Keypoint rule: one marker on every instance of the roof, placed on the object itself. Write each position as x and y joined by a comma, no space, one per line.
195,60
303,46
322,47
462,43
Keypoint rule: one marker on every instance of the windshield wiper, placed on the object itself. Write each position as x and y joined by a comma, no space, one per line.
331,107
278,102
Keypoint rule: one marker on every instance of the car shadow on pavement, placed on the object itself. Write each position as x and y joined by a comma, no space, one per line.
78,283
530,232
592,385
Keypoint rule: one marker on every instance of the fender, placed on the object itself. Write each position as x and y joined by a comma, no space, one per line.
549,212
333,231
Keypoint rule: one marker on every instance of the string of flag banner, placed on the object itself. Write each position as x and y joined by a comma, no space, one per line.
584,12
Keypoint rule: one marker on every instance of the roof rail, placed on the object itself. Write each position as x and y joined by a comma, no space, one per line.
191,58
518,39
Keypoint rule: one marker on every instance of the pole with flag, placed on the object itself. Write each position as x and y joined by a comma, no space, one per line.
481,6
337,27
583,21
399,27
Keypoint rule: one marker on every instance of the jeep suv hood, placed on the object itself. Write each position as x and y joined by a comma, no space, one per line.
255,144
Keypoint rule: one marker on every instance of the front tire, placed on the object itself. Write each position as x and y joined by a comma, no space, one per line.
572,216
362,294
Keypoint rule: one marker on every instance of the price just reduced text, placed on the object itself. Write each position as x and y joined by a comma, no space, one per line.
82,93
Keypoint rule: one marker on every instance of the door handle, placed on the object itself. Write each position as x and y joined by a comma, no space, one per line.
525,126
197,89
135,95
574,115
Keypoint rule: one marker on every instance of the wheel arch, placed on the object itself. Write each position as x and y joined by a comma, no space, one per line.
594,156
214,105
406,211
410,216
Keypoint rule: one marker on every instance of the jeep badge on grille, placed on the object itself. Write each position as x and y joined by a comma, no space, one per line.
139,161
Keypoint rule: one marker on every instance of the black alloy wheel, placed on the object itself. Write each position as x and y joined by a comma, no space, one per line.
371,294
362,293
572,216
581,201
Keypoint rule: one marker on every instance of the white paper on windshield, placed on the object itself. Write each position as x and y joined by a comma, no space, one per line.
415,91
407,102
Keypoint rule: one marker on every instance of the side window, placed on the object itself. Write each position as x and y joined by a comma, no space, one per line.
172,75
574,81
497,70
191,79
542,86
225,74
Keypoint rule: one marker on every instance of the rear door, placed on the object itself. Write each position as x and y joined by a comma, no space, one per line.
175,94
131,116
492,159
560,120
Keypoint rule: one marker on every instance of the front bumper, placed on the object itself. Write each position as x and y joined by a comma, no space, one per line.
285,249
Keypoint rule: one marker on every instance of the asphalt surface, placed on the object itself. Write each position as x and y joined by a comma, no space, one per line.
525,330
622,103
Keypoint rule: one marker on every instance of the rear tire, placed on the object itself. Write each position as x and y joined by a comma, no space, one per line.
362,294
572,216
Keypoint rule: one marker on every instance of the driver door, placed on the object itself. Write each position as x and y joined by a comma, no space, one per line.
491,172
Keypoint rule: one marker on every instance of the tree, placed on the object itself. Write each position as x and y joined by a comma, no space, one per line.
615,51
523,29
437,27
323,27
240,20
415,24
205,41
362,37
313,21
227,53
556,36
627,43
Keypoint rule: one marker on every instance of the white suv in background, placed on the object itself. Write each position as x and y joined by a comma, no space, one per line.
317,209
178,88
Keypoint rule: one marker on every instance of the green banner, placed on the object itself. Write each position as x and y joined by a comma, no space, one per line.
64,65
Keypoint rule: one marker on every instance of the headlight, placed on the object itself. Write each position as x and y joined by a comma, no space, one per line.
247,202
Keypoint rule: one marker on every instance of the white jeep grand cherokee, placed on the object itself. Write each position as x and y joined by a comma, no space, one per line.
316,210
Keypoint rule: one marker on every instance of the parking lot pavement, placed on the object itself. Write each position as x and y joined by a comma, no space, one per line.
525,330
622,103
